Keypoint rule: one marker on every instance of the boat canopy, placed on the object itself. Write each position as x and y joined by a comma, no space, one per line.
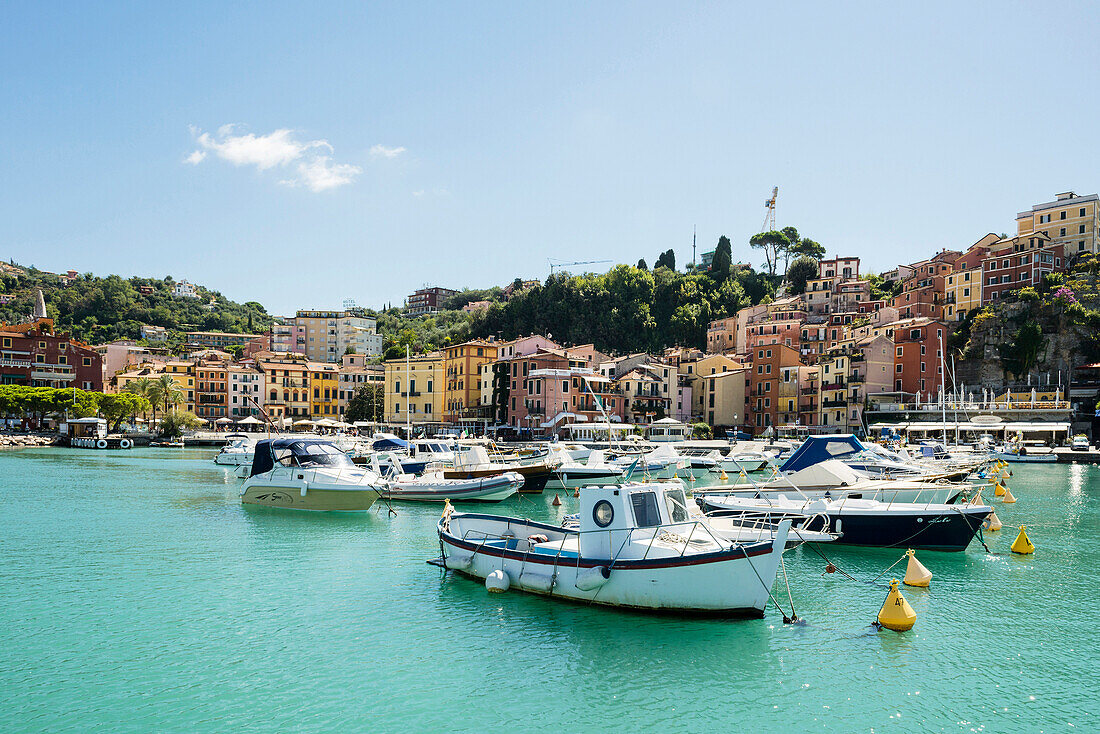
309,452
816,449
389,443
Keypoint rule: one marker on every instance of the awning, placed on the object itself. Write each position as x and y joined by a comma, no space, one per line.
249,421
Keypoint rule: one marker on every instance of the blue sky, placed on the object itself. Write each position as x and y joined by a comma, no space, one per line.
463,144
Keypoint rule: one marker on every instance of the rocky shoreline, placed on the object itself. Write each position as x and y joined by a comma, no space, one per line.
23,440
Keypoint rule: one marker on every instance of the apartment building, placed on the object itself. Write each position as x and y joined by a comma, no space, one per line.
328,335
211,390
763,396
246,391
1019,262
354,373
33,354
414,389
324,385
286,387
781,323
427,300
217,339
1070,220
722,335
694,372
463,380
917,352
722,395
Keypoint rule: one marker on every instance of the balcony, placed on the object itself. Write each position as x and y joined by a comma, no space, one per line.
837,385
834,403
807,408
808,391
413,394
533,410
287,382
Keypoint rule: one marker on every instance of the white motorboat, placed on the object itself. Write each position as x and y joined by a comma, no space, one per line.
308,474
573,474
744,462
434,487
636,547
1017,451
860,521
237,450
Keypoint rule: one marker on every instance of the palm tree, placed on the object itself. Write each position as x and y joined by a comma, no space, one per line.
168,391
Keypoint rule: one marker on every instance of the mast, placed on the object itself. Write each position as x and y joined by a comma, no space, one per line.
408,403
943,395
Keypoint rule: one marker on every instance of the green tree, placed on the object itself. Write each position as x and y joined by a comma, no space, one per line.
116,407
723,259
666,259
642,265
801,270
774,245
807,248
366,404
175,422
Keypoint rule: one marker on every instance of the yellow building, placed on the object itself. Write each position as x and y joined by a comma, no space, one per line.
464,380
286,388
414,389
694,372
964,293
324,386
724,397
182,373
1072,221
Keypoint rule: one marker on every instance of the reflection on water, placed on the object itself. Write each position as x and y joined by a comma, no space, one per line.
141,595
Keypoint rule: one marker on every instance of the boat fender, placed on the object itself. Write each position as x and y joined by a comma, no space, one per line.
124,443
536,581
304,487
497,581
101,443
458,562
593,578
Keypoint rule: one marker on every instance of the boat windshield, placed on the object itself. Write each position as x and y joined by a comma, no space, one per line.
312,454
677,505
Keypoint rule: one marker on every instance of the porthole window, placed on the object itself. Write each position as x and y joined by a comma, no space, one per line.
603,513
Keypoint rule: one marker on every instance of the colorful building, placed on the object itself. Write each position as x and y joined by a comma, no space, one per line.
1070,220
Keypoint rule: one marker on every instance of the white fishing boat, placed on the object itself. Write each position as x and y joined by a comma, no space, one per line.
237,450
635,547
308,474
434,487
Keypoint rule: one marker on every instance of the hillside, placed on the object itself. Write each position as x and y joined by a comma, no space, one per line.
99,309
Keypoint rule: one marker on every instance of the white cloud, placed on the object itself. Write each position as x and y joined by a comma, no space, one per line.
386,152
319,174
419,192
278,149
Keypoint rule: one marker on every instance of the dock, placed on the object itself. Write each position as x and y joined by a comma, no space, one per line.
1069,456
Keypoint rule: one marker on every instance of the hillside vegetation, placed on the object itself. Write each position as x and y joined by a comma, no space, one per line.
98,309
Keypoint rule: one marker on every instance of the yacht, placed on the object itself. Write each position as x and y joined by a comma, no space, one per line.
237,450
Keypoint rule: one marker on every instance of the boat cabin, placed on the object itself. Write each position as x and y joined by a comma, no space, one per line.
87,427
668,430
311,453
610,517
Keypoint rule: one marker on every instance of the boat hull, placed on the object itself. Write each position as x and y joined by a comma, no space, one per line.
488,489
233,459
921,530
535,477
317,500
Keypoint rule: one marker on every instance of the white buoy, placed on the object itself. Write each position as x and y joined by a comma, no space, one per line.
497,581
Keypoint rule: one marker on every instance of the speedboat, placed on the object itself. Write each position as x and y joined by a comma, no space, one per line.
1026,452
860,521
634,546
434,487
236,452
308,474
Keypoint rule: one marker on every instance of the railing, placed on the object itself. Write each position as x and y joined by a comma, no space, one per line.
972,407
287,382
838,385
808,391
807,407
834,403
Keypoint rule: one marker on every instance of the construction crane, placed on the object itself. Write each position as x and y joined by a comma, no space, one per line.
769,217
567,265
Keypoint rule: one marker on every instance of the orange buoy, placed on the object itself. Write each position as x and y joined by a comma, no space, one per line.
577,492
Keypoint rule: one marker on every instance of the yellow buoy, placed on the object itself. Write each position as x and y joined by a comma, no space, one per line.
915,573
723,476
1022,544
1008,498
896,614
999,490
992,523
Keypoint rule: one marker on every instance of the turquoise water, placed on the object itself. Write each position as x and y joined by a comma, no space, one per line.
138,595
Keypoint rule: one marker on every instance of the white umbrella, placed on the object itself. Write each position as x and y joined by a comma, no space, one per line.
223,420
249,421
325,423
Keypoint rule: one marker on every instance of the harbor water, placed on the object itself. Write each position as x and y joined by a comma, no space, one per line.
139,595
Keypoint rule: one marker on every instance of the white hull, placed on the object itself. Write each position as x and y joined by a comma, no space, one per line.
1026,458
725,582
233,459
486,489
